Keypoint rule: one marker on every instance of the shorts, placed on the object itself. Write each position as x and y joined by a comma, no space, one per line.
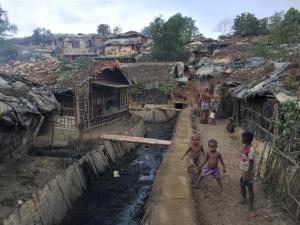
247,183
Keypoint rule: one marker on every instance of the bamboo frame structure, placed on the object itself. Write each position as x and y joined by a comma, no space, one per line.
278,169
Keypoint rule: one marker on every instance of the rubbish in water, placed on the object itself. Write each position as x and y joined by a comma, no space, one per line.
116,173
20,202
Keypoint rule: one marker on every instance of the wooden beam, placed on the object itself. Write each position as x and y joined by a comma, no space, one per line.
155,107
132,139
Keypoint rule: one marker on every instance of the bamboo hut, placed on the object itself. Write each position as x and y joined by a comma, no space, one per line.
263,106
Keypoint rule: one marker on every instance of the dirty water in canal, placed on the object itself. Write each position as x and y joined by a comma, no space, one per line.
120,201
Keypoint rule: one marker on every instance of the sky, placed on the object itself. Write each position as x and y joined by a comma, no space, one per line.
83,16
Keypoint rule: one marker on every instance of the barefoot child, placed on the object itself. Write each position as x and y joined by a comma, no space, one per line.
212,159
230,126
194,153
247,166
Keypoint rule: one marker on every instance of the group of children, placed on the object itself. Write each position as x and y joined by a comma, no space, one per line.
210,165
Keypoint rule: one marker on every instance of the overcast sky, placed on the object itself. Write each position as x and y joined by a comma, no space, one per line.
83,16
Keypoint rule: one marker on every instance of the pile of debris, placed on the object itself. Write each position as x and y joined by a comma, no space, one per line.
38,71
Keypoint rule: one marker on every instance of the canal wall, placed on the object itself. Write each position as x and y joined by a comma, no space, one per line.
171,200
154,115
49,205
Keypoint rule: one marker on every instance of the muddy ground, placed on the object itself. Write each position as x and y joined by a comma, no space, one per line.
26,174
120,201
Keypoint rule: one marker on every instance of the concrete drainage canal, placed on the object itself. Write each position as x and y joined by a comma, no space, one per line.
120,200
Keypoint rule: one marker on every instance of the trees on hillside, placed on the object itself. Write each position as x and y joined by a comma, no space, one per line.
103,29
41,36
282,27
285,28
6,28
246,24
8,49
117,30
224,27
171,36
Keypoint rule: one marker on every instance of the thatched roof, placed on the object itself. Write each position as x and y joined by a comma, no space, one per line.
148,74
41,72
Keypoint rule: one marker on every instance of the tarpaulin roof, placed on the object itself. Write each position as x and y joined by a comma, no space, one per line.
271,84
22,100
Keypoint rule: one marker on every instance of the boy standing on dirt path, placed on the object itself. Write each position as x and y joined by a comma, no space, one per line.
193,153
212,159
247,166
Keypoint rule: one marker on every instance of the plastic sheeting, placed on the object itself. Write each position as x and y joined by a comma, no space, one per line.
21,101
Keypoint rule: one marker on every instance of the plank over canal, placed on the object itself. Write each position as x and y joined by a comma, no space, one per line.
133,139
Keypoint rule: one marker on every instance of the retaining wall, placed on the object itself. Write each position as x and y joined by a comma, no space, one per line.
171,198
154,115
50,205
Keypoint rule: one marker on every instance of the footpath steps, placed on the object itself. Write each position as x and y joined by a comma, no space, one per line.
171,199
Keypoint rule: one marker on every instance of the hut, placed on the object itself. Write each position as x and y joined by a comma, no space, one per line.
254,101
147,78
23,107
92,99
269,107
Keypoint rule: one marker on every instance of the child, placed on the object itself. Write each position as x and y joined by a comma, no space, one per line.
212,159
230,126
247,166
212,117
194,153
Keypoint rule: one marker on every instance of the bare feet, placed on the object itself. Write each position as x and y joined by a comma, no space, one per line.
252,214
243,202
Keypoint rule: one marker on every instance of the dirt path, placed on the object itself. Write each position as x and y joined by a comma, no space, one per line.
212,207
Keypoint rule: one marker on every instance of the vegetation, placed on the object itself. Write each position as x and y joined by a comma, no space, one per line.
8,49
6,28
103,29
66,70
117,30
165,88
282,27
247,24
41,36
171,36
290,116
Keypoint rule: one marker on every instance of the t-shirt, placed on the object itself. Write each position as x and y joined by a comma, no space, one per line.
248,153
212,115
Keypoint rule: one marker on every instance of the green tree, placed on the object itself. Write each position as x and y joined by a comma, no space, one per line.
292,17
171,36
117,30
285,28
263,26
41,36
8,48
6,28
103,29
246,24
